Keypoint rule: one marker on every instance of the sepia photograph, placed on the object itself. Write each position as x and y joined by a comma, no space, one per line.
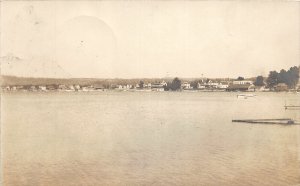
150,92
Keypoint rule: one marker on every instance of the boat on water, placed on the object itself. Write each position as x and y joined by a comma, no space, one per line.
245,96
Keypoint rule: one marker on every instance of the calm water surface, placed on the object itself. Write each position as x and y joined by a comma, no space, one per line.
154,138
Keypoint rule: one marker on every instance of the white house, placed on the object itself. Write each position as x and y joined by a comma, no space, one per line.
261,89
147,85
200,86
212,84
124,87
62,87
164,83
222,86
242,82
42,88
32,88
71,87
185,85
13,88
159,85
77,87
87,88
7,88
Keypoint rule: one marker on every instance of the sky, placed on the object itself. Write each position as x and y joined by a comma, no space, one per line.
148,39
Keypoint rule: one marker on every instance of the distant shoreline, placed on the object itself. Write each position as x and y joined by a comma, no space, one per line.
12,83
144,91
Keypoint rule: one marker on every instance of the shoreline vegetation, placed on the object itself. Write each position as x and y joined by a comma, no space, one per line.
276,82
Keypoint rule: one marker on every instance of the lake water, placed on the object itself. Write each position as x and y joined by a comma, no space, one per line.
147,138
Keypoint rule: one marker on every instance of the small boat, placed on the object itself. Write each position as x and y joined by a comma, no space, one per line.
245,96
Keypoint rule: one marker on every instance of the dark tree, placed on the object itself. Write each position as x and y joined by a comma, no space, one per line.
272,79
176,84
194,84
168,87
292,77
259,81
141,84
240,78
283,76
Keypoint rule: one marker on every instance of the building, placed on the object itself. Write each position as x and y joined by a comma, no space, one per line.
87,88
186,86
13,88
62,87
251,88
42,88
77,87
99,87
123,87
281,87
51,87
222,86
164,83
20,87
158,85
261,89
242,82
212,84
7,88
239,87
32,88
200,86
147,85
71,88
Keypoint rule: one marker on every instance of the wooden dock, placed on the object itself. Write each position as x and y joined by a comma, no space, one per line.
282,121
292,107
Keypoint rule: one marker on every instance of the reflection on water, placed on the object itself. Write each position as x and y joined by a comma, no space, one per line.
131,138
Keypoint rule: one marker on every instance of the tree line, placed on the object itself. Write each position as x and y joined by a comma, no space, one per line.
289,77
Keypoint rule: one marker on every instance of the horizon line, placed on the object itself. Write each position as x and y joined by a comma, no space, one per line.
5,75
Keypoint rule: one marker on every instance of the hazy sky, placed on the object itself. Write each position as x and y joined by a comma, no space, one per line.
132,39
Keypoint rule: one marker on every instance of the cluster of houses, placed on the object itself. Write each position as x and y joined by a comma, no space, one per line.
212,85
158,86
44,88
201,85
